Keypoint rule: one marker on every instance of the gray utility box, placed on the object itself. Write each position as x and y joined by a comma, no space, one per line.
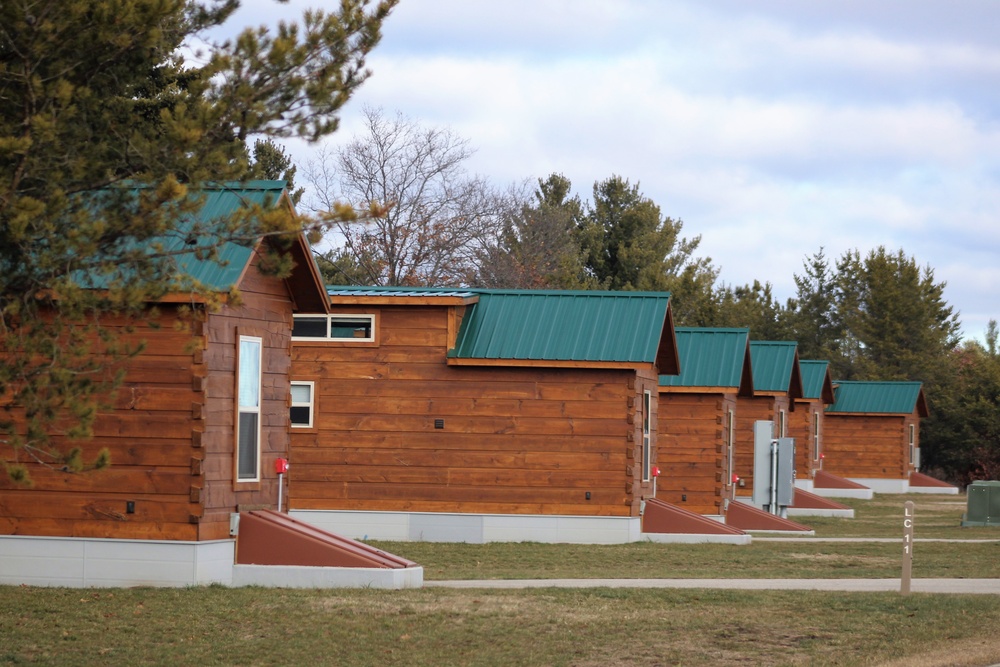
773,468
983,504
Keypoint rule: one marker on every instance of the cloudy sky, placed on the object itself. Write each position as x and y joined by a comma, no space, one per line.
772,128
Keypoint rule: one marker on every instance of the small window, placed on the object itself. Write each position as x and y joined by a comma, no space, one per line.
913,444
731,448
781,423
356,328
248,384
646,430
815,437
301,411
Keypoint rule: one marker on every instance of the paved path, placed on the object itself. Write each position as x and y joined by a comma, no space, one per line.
762,538
986,586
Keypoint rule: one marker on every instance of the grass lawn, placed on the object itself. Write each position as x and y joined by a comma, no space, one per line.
583,628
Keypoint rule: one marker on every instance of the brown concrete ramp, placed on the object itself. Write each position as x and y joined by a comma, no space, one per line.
661,517
806,500
270,538
922,480
746,517
824,480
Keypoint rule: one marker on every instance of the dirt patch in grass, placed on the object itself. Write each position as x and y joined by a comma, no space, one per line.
964,653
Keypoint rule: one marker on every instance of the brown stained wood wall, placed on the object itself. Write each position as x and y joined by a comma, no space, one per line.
868,446
693,449
750,410
514,440
148,433
265,311
169,433
800,427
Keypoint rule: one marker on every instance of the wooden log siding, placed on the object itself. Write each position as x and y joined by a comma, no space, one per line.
148,433
868,446
170,434
750,410
265,311
514,440
693,449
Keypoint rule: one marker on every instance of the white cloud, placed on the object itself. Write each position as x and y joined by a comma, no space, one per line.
771,128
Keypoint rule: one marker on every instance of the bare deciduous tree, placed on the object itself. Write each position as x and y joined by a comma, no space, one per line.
436,214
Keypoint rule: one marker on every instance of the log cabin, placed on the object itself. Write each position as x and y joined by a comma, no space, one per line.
193,433
805,422
777,383
872,433
697,418
478,415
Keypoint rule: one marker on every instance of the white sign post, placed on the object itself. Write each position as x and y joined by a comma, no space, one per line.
904,581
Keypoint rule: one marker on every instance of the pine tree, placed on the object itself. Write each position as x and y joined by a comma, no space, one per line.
106,134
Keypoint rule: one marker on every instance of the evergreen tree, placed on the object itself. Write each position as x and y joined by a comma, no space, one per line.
271,162
893,319
752,306
537,247
960,441
812,314
94,95
629,245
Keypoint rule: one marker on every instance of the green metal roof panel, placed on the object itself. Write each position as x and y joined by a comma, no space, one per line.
563,326
709,357
876,397
813,377
773,363
218,202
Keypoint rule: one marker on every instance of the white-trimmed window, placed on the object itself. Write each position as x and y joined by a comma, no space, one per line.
913,444
781,423
303,400
815,437
248,390
731,448
647,401
347,327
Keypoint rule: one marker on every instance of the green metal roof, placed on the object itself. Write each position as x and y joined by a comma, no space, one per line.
221,202
879,397
815,374
709,357
218,202
775,366
563,326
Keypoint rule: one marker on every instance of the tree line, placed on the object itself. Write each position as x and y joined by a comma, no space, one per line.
874,315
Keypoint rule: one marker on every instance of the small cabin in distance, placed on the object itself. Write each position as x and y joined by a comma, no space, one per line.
479,415
872,433
805,422
777,383
697,417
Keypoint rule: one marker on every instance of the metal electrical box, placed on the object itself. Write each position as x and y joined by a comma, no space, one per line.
763,434
983,507
773,469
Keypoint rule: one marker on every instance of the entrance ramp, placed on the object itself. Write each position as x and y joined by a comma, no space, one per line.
271,538
832,486
921,483
273,549
810,504
663,522
749,518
